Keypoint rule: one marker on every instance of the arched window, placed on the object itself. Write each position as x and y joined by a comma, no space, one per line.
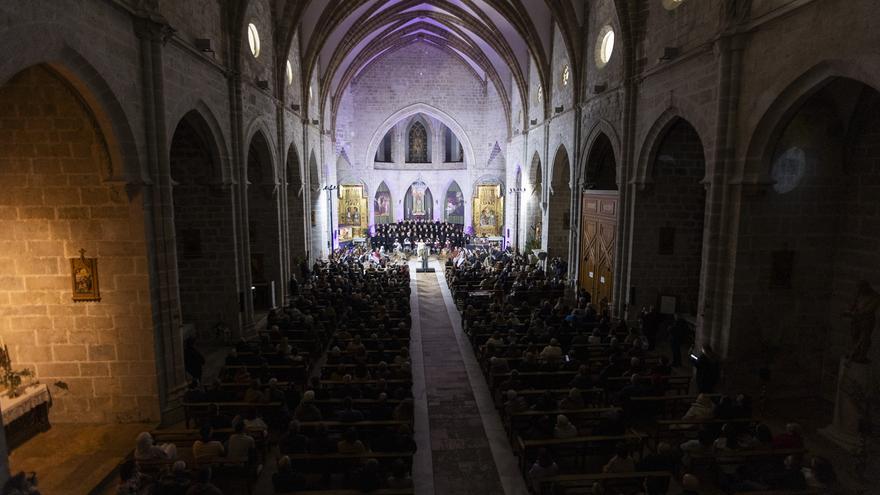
453,152
453,210
383,152
417,144
382,205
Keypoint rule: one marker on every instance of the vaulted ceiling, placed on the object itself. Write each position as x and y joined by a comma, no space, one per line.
496,38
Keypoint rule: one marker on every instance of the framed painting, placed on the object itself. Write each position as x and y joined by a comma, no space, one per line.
84,278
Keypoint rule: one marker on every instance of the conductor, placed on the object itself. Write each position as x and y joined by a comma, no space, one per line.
422,252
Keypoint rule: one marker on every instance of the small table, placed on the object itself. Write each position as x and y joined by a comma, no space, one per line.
25,415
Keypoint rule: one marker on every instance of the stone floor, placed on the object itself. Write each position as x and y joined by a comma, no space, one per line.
71,459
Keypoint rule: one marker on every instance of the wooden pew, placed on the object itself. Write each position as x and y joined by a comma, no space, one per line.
196,410
562,484
579,445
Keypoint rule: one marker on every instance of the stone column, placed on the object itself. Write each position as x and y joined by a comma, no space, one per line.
152,31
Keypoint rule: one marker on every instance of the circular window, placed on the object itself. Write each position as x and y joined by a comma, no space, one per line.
672,4
254,40
566,74
289,73
604,46
788,170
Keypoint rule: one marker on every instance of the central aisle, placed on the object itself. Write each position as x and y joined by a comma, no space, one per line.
464,458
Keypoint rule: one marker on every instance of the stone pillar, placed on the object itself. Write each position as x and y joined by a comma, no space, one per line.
854,386
152,32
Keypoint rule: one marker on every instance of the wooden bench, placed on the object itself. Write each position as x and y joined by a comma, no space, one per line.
563,483
579,445
194,410
670,406
593,414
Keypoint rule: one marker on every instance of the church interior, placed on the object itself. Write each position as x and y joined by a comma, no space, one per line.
439,247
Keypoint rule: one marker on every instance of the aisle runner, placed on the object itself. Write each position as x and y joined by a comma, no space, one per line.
462,459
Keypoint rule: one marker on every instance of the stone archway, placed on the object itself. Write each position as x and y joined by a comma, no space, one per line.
668,216
808,236
559,207
296,207
58,208
264,227
205,239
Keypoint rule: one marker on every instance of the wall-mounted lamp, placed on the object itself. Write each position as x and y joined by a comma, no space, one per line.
670,52
204,45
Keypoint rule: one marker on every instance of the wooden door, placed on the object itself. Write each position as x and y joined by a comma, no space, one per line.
598,237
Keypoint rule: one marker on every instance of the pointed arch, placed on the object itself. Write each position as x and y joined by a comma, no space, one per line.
560,176
196,123
609,152
600,167
784,106
453,204
654,138
424,108
559,205
260,164
418,140
418,203
296,205
383,205
51,44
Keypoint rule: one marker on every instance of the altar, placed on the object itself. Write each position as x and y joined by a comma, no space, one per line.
25,415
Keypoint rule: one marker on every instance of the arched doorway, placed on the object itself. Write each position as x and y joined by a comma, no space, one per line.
383,206
418,204
599,219
453,210
559,206
534,211
296,208
668,223
808,237
202,227
76,263
264,230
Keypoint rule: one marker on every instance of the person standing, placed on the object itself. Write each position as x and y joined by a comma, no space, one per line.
193,360
677,333
708,370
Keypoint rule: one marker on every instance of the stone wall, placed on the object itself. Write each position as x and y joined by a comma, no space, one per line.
433,82
56,202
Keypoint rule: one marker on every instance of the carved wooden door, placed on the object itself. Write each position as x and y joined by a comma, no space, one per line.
598,238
